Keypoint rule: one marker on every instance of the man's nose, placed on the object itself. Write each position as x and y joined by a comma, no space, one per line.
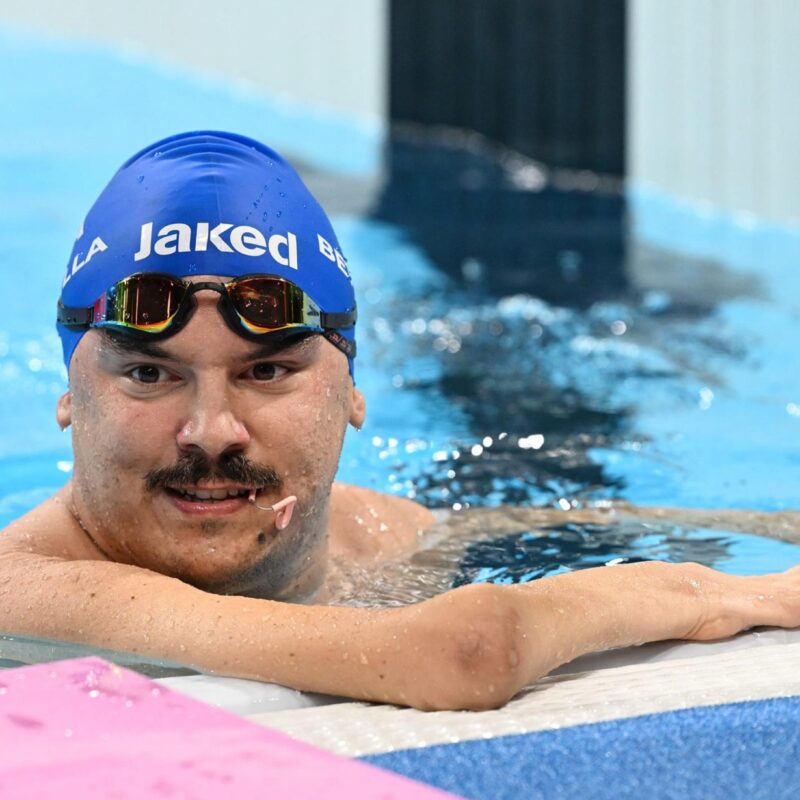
213,424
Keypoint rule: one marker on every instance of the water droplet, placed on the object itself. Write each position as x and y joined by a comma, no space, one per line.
264,216
140,178
278,213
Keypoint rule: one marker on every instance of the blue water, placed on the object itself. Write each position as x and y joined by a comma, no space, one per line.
550,550
476,397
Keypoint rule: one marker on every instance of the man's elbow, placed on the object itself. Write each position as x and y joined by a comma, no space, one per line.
479,658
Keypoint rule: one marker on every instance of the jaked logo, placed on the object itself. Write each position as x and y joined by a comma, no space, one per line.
178,237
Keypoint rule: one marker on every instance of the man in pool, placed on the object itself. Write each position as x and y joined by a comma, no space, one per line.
207,320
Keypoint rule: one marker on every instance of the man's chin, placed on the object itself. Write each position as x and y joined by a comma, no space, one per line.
212,554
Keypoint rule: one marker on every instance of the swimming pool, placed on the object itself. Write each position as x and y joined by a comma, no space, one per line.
672,385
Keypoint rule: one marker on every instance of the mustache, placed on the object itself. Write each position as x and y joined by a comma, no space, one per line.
194,468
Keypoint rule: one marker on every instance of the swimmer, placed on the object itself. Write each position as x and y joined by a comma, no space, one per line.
208,322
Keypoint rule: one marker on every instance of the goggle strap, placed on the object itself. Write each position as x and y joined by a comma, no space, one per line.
337,340
344,319
74,317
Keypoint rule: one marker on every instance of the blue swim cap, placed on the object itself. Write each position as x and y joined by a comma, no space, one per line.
206,203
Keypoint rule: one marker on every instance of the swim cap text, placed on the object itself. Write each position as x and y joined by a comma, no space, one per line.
178,237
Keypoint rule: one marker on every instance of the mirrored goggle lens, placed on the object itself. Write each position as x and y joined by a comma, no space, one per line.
144,302
266,304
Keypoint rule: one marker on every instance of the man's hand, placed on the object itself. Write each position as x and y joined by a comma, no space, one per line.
733,604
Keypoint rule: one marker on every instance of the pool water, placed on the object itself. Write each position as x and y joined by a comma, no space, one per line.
527,555
629,349
518,544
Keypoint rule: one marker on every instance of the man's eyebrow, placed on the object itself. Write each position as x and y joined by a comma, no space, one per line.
124,345
286,347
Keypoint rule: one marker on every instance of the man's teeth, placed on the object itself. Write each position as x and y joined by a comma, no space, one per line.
213,494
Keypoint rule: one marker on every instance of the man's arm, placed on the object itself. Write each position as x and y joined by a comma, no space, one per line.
125,608
473,647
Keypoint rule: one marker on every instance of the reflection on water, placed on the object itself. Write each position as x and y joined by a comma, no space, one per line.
542,355
540,390
506,546
548,320
527,555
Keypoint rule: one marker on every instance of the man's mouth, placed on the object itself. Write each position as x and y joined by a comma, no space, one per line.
222,493
210,500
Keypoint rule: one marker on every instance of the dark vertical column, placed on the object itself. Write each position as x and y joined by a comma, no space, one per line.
544,77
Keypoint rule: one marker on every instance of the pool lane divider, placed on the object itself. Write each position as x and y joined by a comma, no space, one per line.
85,729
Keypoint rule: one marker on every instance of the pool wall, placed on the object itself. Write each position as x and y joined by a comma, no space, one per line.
711,96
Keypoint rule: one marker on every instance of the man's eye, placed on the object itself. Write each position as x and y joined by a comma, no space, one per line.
268,372
147,374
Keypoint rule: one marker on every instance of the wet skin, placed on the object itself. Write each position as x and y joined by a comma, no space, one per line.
208,394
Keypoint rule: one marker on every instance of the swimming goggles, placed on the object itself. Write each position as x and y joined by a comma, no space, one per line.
154,304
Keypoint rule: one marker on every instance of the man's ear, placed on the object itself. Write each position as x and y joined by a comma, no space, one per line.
64,410
358,409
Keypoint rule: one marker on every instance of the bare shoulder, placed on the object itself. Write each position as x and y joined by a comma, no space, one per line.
48,530
369,524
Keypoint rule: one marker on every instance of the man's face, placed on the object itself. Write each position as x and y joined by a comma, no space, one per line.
208,410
